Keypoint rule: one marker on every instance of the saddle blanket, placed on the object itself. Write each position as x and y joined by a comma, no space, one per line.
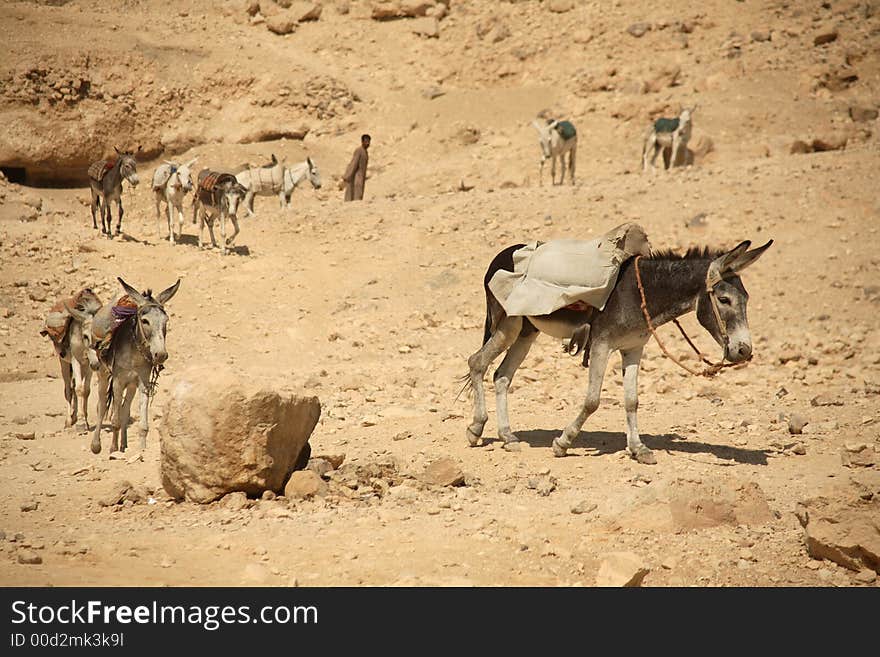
98,169
551,275
162,174
566,129
666,125
57,321
208,183
110,318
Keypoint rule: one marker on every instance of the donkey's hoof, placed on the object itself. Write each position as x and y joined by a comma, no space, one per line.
645,456
473,438
96,447
558,448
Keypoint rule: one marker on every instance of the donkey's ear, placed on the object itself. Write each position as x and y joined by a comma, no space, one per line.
139,148
117,150
165,295
748,258
721,265
537,126
192,161
133,294
78,315
694,108
309,161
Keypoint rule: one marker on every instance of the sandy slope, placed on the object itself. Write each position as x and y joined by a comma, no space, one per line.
375,307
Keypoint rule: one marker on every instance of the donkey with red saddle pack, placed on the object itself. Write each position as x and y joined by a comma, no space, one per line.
130,344
217,194
105,180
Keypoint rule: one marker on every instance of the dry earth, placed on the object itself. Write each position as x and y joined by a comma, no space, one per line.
375,307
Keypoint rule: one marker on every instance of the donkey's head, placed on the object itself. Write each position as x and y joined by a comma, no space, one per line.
545,137
184,175
314,175
84,318
152,321
721,308
233,194
686,115
128,165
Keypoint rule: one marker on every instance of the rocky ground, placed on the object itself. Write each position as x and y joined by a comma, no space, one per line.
375,307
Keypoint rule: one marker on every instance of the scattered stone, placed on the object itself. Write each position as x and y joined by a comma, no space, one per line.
121,492
433,92
697,221
796,423
268,495
865,576
544,484
305,11
621,569
231,433
638,30
236,501
304,485
335,460
443,472
825,37
24,435
428,26
29,557
584,506
760,36
30,505
858,455
320,466
560,6
800,449
862,114
831,142
281,23
825,400
402,435
847,535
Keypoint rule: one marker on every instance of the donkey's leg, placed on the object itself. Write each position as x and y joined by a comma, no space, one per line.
541,174
103,385
94,204
235,233
249,202
598,360
169,210
77,369
562,165
85,389
553,170
223,233
144,422
503,377
158,214
505,334
180,220
211,230
116,413
571,161
630,360
125,414
69,393
281,198
119,213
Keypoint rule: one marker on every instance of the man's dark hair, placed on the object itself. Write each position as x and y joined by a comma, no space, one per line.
366,138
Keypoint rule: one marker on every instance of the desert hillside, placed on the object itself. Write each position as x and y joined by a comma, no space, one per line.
375,307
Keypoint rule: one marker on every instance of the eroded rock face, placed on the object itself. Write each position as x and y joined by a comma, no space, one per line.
846,532
227,433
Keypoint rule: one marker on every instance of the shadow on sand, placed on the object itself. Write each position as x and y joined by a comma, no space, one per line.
610,442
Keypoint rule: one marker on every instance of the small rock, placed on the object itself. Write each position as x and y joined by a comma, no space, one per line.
760,36
402,435
432,92
865,576
443,472
320,466
862,114
800,449
621,569
26,435
235,501
305,484
268,495
859,455
428,26
638,30
796,423
560,6
584,506
825,37
825,400
30,505
281,23
29,557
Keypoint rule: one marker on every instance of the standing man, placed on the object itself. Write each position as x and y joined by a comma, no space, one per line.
356,173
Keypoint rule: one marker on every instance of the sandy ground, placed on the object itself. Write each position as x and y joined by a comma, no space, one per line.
375,307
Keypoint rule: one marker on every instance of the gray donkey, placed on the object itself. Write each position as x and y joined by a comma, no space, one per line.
105,180
69,325
131,357
705,281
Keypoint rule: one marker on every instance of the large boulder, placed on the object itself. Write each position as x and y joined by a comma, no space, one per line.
222,434
841,530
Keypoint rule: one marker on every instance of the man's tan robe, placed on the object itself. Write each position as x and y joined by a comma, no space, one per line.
356,175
